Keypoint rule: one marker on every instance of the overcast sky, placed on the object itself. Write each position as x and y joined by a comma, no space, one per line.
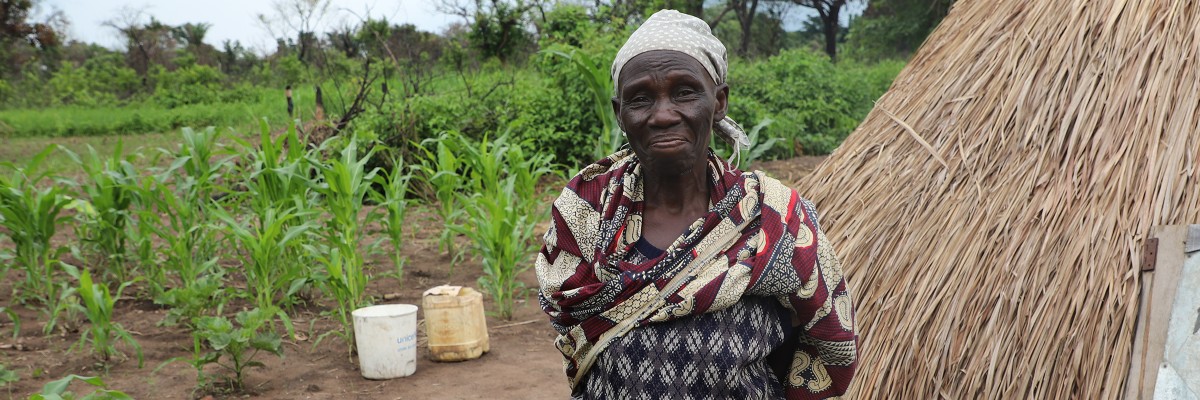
234,19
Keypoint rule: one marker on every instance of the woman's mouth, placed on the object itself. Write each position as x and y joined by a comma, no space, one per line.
668,142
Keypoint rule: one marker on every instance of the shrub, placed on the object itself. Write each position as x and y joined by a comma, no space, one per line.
814,103
193,84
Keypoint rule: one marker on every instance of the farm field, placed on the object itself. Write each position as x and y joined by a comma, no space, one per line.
187,213
314,361
522,363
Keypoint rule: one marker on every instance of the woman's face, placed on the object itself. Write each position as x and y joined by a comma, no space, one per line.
667,104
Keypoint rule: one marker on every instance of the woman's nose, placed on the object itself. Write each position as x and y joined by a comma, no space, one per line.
664,113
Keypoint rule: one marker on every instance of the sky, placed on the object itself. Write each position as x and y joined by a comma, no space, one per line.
237,19
234,19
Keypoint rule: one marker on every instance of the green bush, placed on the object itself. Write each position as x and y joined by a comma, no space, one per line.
814,103
99,81
193,84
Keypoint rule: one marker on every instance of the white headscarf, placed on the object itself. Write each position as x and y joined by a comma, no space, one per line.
673,30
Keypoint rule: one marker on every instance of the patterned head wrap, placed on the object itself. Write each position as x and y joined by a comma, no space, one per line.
673,30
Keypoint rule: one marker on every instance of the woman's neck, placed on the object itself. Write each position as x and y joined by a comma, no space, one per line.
675,194
672,202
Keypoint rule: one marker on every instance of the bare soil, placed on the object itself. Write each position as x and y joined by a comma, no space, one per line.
522,363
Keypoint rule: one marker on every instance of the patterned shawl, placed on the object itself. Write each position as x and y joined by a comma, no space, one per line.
758,238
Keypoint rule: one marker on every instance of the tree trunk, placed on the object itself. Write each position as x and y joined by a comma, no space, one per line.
831,28
746,18
694,8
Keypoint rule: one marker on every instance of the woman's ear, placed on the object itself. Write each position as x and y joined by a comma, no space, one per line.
616,105
722,94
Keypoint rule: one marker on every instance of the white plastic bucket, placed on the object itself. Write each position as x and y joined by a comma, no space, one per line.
386,337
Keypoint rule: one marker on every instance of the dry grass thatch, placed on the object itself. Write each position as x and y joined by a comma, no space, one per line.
991,209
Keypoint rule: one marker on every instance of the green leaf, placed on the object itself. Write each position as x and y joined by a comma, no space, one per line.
267,341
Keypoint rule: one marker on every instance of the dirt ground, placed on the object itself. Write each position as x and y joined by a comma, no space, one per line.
522,363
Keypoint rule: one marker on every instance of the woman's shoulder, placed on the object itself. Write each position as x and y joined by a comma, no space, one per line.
604,172
776,188
613,164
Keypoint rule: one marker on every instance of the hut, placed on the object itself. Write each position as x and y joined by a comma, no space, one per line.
992,208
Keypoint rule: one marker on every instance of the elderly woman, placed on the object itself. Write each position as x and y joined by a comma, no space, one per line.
670,274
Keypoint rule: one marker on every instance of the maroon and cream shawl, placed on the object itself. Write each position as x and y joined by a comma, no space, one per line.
758,238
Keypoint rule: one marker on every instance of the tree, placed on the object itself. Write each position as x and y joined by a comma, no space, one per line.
745,10
894,28
149,43
234,58
299,19
497,27
18,34
694,8
829,11
192,36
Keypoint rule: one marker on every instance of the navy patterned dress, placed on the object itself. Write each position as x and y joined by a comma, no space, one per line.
724,354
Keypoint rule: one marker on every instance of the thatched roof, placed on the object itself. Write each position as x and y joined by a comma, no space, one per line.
992,207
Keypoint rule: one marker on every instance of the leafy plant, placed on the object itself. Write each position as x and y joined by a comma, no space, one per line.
759,145
188,302
7,376
442,173
177,200
237,345
112,191
277,170
103,333
503,212
16,320
392,199
600,86
502,236
57,390
266,240
527,169
344,185
178,217
31,214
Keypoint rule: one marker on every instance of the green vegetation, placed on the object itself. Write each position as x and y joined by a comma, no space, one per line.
57,390
813,102
75,120
393,198
16,321
7,376
345,182
232,201
238,346
103,333
111,193
31,212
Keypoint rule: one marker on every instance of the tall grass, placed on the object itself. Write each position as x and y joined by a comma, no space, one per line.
147,117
